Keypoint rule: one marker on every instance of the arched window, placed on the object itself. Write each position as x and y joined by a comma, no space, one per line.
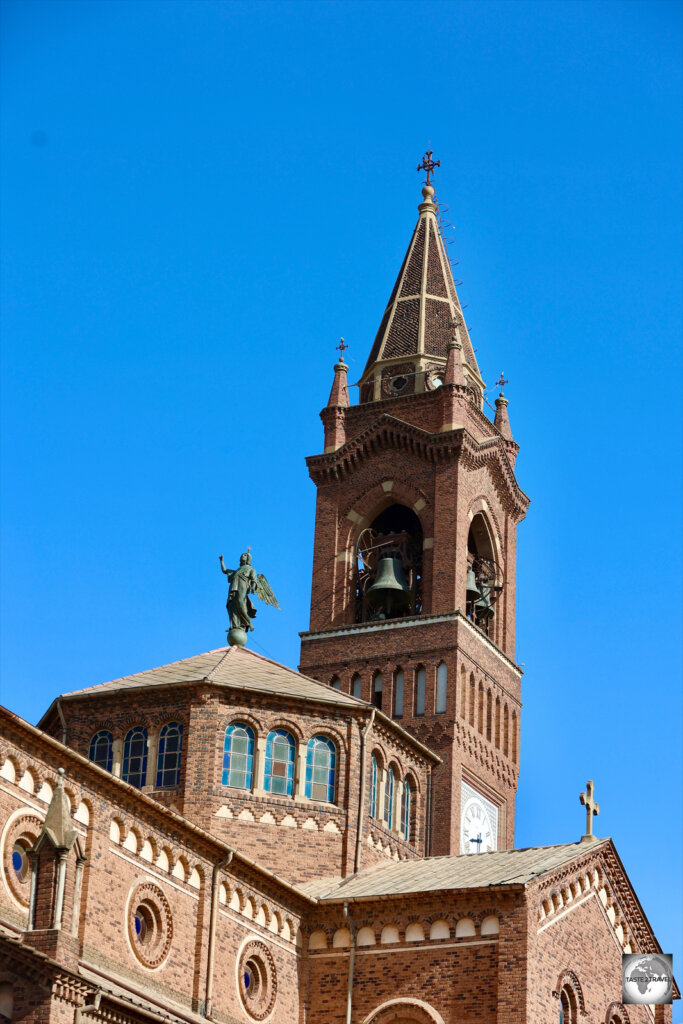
377,690
388,580
135,757
420,688
389,798
441,688
169,756
489,715
463,690
398,694
279,766
356,687
406,809
321,759
484,575
238,756
567,1006
101,749
373,786
335,683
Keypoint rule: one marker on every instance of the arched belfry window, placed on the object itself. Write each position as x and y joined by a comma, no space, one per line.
170,752
374,784
101,749
485,578
389,566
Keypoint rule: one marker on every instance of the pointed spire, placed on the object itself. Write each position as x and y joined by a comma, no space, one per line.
501,420
416,326
58,827
339,395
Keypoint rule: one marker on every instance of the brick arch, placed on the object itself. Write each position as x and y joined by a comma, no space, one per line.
569,979
481,506
377,748
411,774
330,732
241,716
404,1011
617,1012
282,722
368,506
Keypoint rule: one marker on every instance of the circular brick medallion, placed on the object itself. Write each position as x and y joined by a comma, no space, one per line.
257,980
19,839
150,924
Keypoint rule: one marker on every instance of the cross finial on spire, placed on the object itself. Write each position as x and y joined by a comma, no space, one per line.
428,165
591,808
342,346
501,382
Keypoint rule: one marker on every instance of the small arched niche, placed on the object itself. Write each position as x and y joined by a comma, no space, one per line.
484,576
388,581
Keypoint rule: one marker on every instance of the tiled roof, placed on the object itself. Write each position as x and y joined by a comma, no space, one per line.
231,666
467,871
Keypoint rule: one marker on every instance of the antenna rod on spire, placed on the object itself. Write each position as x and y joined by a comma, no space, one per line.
428,165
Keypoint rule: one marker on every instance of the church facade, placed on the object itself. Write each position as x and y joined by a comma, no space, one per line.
227,839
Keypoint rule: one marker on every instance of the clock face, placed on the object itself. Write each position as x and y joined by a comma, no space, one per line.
476,832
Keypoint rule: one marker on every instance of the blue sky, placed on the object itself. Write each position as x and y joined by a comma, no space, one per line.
198,199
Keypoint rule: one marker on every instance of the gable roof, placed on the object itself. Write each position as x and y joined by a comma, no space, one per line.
464,871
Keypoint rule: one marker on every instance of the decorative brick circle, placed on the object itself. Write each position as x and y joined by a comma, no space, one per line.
150,924
19,839
257,980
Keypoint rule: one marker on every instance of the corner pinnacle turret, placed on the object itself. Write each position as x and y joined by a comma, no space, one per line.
410,350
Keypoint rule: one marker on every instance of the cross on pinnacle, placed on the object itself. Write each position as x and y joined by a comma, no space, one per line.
342,347
501,382
591,808
428,164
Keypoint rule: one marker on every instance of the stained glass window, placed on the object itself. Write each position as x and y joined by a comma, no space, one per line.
321,758
168,758
135,757
406,801
389,798
373,788
279,766
238,756
101,749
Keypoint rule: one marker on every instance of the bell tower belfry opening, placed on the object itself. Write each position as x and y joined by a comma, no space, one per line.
415,547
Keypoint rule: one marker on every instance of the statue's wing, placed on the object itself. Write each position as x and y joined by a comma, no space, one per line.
264,591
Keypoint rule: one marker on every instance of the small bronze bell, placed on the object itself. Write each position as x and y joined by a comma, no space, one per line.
390,589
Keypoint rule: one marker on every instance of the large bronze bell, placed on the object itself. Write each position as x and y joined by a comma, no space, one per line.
390,589
473,591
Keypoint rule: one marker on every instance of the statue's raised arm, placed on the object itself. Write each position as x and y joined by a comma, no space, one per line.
241,609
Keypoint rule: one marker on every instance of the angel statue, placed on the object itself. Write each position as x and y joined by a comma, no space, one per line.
241,609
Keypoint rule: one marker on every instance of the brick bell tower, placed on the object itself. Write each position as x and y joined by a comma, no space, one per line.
413,594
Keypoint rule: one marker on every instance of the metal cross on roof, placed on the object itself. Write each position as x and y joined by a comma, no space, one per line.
342,347
591,807
428,164
501,382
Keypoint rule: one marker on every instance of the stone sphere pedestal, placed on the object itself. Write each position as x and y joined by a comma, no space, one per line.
237,637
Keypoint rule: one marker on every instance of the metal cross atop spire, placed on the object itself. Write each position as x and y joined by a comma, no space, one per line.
342,347
591,808
501,382
428,164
